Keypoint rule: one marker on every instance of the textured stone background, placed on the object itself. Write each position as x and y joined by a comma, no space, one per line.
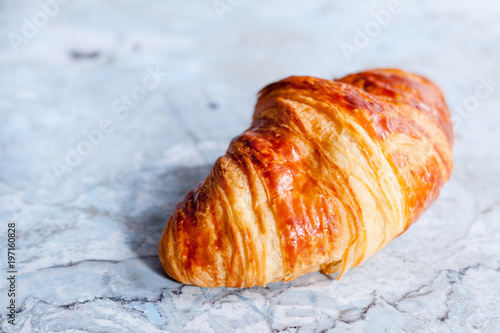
88,231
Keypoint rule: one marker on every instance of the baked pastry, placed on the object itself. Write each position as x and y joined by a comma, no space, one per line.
328,173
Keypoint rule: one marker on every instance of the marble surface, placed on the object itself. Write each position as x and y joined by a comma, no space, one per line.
88,225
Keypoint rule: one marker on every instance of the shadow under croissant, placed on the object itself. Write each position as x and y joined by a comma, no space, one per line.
170,187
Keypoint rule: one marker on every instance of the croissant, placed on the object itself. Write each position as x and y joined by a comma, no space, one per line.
328,173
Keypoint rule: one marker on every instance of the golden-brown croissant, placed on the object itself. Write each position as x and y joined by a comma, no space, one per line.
328,174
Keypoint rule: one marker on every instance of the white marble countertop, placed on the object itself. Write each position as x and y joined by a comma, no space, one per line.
90,175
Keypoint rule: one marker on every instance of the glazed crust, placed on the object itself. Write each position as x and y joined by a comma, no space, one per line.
327,175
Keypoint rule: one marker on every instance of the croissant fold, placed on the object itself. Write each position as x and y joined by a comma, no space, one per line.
328,173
